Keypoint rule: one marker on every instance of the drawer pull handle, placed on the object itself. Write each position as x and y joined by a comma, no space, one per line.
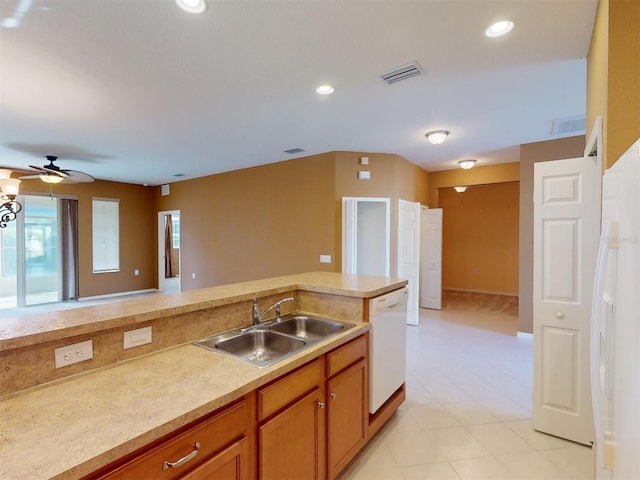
321,404
167,464
333,395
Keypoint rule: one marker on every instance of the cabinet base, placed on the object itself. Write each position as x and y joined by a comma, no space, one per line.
388,408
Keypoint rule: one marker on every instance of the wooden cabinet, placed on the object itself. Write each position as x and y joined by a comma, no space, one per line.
308,424
346,404
214,448
291,437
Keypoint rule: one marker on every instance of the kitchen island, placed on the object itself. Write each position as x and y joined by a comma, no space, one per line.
70,422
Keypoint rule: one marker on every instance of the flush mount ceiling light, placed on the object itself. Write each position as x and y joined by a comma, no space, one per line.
460,189
436,137
325,90
467,164
499,28
192,6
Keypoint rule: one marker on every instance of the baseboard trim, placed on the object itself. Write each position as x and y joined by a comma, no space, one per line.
525,335
486,292
119,294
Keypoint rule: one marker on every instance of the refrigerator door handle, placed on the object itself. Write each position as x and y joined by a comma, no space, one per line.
596,314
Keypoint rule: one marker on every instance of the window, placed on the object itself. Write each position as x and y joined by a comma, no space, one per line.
106,235
175,223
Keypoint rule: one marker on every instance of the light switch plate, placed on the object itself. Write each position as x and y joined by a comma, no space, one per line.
325,258
364,175
135,338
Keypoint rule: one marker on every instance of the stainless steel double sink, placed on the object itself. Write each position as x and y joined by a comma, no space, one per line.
270,342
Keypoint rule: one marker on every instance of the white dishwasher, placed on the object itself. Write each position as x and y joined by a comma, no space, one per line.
387,346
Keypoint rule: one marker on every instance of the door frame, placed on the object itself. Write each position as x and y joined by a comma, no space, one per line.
350,232
161,249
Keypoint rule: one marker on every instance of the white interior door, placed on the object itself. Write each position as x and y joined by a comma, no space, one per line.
565,244
431,259
409,253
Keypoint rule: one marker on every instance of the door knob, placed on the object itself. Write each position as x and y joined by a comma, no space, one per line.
559,315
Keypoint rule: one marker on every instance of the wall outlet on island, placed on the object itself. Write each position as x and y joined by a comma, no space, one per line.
70,354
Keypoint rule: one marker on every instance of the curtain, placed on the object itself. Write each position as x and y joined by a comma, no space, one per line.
69,246
168,248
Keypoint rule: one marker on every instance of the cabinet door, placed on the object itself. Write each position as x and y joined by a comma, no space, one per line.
292,444
347,416
230,464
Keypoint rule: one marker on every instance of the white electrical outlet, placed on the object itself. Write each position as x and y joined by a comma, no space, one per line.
193,275
135,338
325,258
70,354
136,272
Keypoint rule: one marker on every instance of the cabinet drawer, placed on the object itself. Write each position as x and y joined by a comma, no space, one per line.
343,356
213,435
288,389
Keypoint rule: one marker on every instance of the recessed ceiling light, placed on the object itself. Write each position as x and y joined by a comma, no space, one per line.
460,188
325,89
192,6
499,28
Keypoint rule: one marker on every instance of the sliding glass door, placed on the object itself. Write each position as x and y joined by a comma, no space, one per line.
42,273
38,252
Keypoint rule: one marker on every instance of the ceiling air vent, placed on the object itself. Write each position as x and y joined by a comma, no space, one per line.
293,151
402,73
575,124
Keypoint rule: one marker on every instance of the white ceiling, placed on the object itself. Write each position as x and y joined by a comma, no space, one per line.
137,91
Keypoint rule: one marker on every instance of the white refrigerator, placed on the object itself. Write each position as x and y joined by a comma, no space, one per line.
615,333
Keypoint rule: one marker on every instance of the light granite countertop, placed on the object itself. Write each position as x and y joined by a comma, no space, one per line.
71,427
24,330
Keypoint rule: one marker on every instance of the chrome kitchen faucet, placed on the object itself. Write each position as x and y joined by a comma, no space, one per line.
257,316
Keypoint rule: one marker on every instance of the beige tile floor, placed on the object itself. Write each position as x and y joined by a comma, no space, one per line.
468,409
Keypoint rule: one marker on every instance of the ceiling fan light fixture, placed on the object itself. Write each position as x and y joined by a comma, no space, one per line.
192,6
499,28
467,164
460,188
50,178
436,137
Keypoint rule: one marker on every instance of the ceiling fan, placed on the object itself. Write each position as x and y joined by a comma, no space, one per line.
54,174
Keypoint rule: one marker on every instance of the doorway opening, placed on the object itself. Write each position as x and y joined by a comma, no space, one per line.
169,251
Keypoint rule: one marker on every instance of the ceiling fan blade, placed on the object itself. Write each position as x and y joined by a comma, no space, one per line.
73,176
30,177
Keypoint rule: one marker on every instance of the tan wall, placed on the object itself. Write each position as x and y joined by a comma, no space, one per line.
504,172
531,153
480,238
392,177
613,76
255,223
623,87
597,72
137,231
